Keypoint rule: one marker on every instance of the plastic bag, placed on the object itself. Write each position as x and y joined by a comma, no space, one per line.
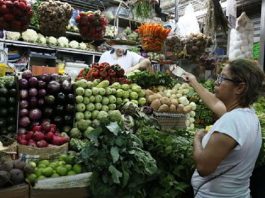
241,38
188,23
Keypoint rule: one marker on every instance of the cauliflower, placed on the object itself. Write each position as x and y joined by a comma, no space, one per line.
63,42
30,35
12,35
41,39
82,46
74,44
52,40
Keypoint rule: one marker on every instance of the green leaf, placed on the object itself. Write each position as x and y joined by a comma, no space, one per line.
94,135
114,151
115,174
114,128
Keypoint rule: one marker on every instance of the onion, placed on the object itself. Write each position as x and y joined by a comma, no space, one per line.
23,83
27,74
41,102
33,82
45,77
41,84
23,94
23,112
24,121
23,104
33,102
33,92
53,87
22,131
42,92
35,114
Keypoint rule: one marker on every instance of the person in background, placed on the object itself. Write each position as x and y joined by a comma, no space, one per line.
129,61
225,156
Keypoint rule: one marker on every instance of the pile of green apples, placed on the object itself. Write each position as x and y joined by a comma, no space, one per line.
97,101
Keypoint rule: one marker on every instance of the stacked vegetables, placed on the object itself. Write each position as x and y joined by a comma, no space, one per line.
98,102
46,97
172,100
54,14
65,165
152,36
12,172
8,107
92,25
42,135
15,15
104,71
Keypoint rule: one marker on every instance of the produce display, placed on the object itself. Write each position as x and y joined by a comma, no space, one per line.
104,71
8,108
66,164
42,136
53,14
46,97
92,25
152,36
208,61
98,101
172,100
129,35
13,172
15,15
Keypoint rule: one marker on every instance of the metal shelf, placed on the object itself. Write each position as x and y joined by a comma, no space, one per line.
51,48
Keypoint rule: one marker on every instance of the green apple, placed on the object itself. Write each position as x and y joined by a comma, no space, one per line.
88,131
89,84
101,91
90,107
79,116
112,99
142,101
94,114
133,95
119,101
92,99
105,101
141,93
134,101
95,91
119,93
80,91
105,108
88,92
88,115
81,83
108,91
81,107
98,98
125,87
98,106
116,85
126,94
86,100
112,106
79,99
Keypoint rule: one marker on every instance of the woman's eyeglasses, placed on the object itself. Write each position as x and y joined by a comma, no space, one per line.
221,78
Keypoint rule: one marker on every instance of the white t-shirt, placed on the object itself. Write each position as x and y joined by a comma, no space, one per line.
243,126
125,61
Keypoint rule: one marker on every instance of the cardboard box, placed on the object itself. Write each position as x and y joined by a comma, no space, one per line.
56,193
17,191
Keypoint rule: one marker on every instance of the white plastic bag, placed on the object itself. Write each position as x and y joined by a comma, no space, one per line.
188,23
241,38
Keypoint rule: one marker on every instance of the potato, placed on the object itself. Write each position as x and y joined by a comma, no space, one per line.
153,97
163,108
165,100
148,92
155,104
174,102
187,109
172,108
180,108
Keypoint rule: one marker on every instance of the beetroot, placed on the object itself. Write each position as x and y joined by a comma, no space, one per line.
49,136
42,143
37,136
46,126
27,74
36,128
29,135
33,82
35,114
24,121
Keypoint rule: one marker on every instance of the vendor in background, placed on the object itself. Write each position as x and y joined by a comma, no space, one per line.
129,61
225,156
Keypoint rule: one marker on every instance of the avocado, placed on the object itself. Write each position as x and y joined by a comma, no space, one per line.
2,100
11,109
3,91
12,92
3,112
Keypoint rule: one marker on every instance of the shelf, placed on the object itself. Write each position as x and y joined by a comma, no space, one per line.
51,48
42,56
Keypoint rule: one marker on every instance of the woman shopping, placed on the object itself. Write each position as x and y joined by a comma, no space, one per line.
225,156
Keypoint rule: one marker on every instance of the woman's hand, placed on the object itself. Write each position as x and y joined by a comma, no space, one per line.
189,78
200,134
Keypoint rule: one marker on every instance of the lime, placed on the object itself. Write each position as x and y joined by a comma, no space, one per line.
63,157
53,164
61,170
47,172
38,171
61,163
71,172
42,166
32,178
68,167
77,168
33,164
44,162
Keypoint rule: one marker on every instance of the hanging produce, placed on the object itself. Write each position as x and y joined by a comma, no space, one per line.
92,25
142,8
15,15
215,19
152,36
241,38
54,17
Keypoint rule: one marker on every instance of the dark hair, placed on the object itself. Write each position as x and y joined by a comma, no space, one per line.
249,72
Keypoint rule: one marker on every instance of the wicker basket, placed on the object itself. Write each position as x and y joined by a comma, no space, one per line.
49,152
170,120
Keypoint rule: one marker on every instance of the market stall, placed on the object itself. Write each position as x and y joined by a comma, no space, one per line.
73,127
